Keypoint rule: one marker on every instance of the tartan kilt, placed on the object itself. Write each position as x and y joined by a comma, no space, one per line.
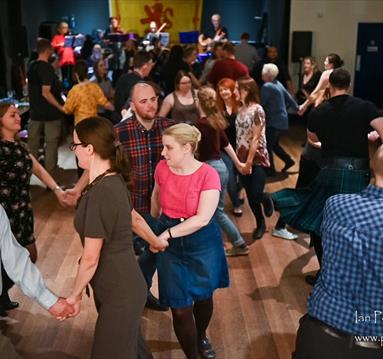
302,208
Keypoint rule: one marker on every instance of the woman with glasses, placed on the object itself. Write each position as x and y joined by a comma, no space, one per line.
182,102
16,168
105,220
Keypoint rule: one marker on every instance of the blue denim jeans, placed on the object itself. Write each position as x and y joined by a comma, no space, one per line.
222,218
147,260
233,186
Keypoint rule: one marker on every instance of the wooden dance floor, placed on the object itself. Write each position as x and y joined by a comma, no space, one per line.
256,318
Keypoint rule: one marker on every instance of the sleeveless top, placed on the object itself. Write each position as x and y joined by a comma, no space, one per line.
184,113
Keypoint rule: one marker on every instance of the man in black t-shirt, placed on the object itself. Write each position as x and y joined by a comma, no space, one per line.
341,125
343,122
142,65
45,105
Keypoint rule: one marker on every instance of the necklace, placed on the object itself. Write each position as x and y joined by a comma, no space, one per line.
95,181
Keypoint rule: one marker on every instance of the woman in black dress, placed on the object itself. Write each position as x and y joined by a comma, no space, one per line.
104,220
16,168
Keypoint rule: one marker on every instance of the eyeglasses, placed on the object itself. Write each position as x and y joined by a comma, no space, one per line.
185,82
72,145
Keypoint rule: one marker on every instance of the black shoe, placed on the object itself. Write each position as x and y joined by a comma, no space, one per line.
268,205
153,303
205,349
311,279
259,232
288,164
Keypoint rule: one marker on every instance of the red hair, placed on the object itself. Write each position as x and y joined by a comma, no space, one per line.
228,84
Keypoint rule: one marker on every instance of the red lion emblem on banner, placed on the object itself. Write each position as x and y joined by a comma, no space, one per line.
158,13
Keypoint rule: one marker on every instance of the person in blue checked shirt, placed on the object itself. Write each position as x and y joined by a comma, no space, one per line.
345,308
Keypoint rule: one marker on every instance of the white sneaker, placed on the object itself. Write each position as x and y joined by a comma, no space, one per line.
284,233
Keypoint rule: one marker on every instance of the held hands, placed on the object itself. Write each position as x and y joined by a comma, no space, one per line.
71,197
247,168
161,243
302,110
75,302
61,310
60,194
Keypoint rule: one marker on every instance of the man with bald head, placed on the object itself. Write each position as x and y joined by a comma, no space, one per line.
141,137
345,308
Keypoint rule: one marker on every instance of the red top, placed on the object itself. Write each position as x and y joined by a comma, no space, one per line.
66,53
179,194
233,69
212,141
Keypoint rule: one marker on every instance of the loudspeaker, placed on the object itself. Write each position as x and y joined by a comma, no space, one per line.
301,45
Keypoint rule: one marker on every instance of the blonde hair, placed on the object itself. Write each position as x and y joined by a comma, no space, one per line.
184,134
270,70
208,101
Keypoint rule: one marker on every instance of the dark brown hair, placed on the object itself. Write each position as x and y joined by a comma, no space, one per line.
335,60
42,45
81,69
95,71
4,107
179,75
99,132
251,87
340,79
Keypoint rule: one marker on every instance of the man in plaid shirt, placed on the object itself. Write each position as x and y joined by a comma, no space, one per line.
141,137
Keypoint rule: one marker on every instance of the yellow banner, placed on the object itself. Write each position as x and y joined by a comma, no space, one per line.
179,15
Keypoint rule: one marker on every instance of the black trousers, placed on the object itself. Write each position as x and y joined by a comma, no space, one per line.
313,343
272,139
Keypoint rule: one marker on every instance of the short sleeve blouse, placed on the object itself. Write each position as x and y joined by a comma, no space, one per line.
179,194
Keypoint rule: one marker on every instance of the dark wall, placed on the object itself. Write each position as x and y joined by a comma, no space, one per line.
89,14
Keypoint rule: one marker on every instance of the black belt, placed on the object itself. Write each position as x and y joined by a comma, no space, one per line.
336,333
348,163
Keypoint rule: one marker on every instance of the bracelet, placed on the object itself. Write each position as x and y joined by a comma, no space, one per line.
57,187
170,234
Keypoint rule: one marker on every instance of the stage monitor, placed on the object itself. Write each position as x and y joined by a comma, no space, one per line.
189,37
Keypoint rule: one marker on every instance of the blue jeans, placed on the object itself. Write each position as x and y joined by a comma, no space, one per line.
147,260
233,186
222,218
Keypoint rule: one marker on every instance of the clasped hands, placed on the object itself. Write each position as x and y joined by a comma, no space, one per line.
65,308
160,244
245,168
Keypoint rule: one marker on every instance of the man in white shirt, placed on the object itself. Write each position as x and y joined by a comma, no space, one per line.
27,276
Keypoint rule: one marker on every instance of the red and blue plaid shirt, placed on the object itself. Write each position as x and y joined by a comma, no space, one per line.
143,148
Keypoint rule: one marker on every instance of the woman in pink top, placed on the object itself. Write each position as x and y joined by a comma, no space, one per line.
186,193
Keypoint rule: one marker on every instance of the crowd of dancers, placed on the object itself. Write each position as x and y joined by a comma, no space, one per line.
157,150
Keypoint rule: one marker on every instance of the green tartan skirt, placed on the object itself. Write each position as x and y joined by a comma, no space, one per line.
302,208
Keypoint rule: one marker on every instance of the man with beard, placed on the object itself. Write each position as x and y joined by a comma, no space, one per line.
141,137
